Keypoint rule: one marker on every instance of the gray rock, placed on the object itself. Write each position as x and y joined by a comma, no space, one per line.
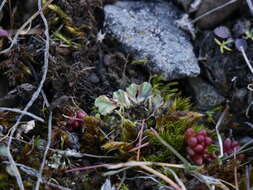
147,29
184,3
218,16
205,95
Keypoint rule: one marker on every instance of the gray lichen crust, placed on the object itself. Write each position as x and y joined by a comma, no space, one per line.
147,29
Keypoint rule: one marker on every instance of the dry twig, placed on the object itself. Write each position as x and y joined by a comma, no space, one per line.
218,133
2,4
46,59
22,112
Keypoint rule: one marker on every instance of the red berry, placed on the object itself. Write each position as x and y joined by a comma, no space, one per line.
80,115
198,148
192,142
208,141
75,124
190,152
230,151
202,132
236,148
205,156
209,158
235,143
198,160
227,144
189,132
201,138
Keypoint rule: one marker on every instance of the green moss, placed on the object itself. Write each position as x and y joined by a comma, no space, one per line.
180,104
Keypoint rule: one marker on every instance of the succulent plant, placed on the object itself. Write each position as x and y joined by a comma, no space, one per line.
135,95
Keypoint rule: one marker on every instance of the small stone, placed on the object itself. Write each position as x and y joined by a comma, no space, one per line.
93,78
184,3
205,95
147,30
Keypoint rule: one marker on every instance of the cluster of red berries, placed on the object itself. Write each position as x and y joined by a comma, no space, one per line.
230,146
75,122
197,146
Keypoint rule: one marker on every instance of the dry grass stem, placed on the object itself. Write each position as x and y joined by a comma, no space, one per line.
46,59
161,176
213,10
218,133
250,5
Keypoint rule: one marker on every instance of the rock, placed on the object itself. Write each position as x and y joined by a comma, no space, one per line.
93,78
205,95
147,29
218,16
18,96
184,3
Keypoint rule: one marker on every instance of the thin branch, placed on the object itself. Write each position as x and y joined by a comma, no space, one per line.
218,133
46,58
46,151
179,181
235,174
2,5
247,177
213,10
126,165
246,59
250,5
22,112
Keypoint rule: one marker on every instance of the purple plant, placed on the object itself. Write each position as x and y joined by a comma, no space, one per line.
241,43
222,32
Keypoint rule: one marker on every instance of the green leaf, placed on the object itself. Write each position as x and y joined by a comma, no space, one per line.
105,105
140,61
121,97
156,102
3,150
144,91
132,91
